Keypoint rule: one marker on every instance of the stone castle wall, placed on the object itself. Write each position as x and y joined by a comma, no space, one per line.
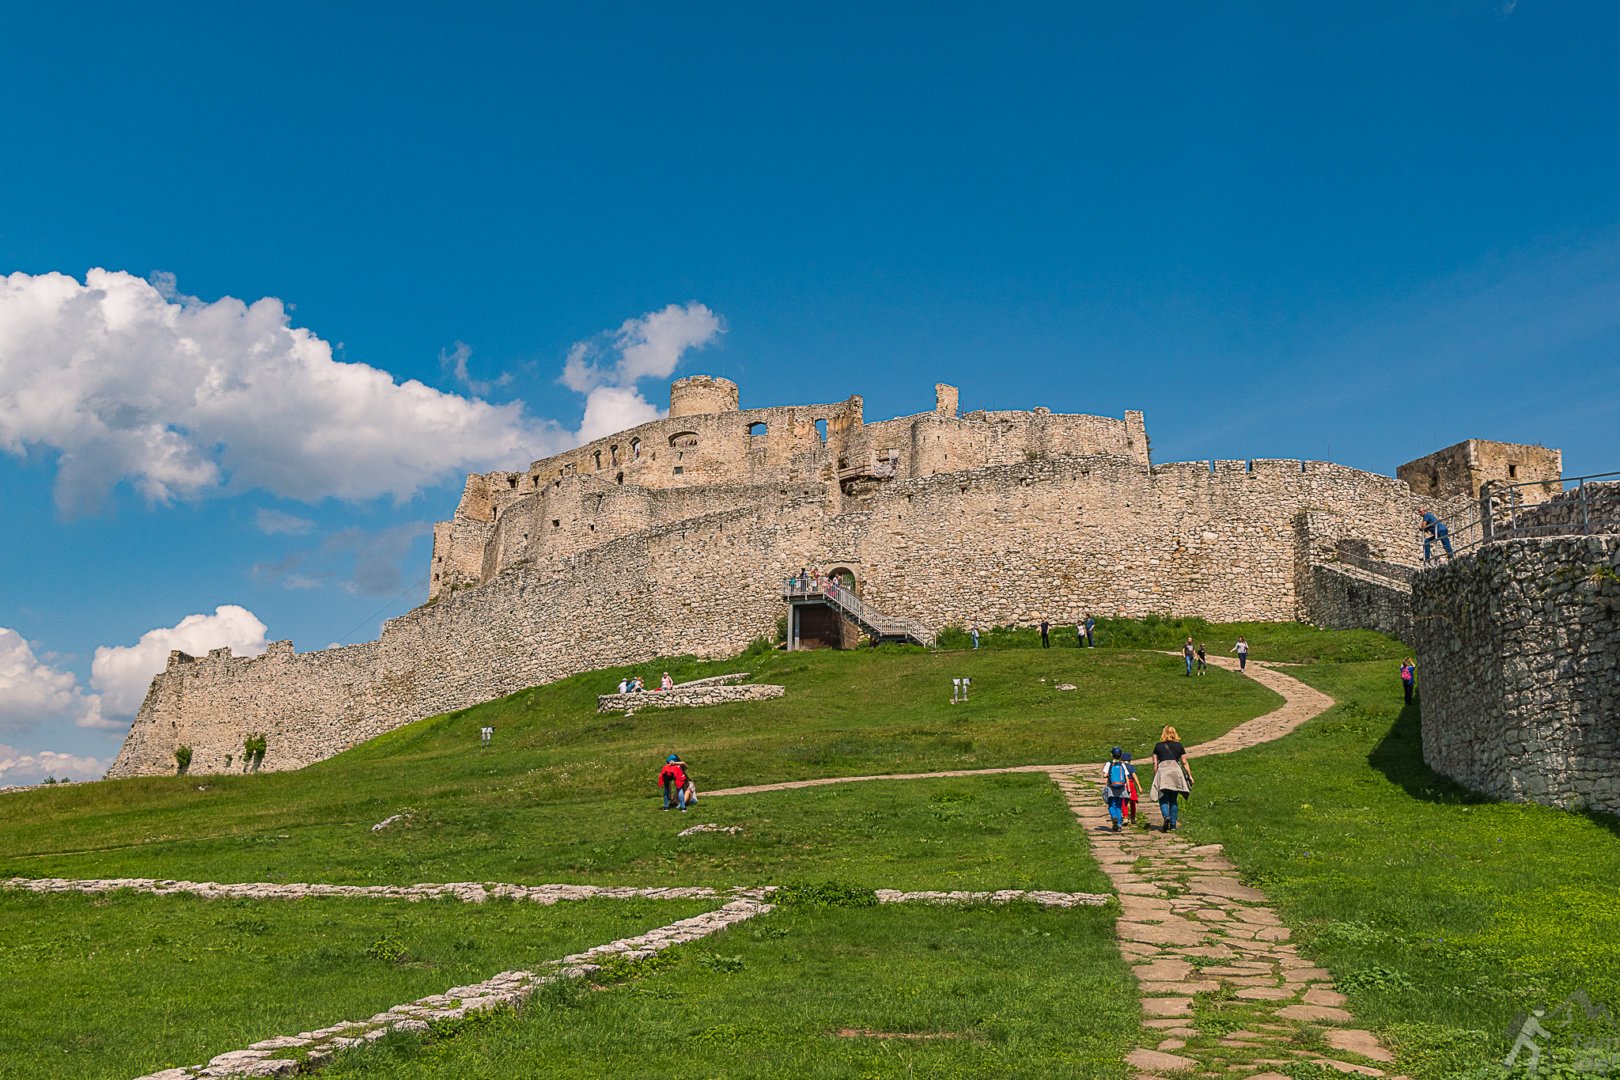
1518,649
1052,537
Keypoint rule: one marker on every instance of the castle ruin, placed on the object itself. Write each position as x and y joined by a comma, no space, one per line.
674,537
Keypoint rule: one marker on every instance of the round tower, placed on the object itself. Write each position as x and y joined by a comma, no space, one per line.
699,394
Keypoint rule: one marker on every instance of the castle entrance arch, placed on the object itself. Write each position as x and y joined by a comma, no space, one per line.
845,577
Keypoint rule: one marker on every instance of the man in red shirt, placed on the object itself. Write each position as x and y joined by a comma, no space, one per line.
673,777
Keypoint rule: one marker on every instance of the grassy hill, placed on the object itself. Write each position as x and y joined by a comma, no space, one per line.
1406,887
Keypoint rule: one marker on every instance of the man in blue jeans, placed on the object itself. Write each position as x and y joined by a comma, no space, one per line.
1434,529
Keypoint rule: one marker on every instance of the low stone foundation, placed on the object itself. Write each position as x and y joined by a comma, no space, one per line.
717,690
1345,597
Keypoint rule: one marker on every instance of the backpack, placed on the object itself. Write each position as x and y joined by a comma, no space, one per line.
1116,774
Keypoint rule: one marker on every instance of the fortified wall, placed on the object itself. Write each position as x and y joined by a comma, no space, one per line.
674,537
1518,646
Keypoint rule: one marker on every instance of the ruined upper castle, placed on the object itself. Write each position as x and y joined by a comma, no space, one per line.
674,537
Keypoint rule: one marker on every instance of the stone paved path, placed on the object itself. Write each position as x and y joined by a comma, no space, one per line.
1194,933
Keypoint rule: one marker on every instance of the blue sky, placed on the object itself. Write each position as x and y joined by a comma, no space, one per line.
1354,232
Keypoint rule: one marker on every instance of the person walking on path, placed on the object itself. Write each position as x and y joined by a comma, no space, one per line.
1116,785
673,779
1408,677
1091,625
1172,779
1203,659
1242,650
974,630
1133,791
1434,529
1046,634
1187,655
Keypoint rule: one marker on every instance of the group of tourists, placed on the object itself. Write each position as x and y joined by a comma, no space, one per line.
1198,660
1172,782
634,685
676,780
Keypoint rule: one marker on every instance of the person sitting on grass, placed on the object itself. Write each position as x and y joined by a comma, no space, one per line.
1116,781
673,779
1172,780
1132,791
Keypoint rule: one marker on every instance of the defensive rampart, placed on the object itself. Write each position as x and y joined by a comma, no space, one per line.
1518,648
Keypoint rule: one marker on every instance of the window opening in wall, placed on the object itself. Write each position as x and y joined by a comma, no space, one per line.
511,481
683,440
556,523
619,479
635,449
757,428
598,456
679,470
613,454
1513,471
821,430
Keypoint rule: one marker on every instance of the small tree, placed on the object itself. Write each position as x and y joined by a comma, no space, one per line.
182,758
253,751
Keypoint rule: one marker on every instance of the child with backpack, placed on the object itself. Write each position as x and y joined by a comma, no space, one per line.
1116,782
1132,791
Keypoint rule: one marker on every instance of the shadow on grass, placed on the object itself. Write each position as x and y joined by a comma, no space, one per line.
1399,756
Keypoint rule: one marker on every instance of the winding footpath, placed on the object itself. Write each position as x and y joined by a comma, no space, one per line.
1189,927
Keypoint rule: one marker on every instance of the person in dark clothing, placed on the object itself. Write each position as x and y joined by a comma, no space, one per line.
1091,625
1172,779
1408,677
1434,529
1046,634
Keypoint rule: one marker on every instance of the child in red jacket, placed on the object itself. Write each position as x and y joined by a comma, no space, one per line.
673,777
1132,792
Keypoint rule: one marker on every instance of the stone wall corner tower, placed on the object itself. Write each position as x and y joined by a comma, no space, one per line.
701,395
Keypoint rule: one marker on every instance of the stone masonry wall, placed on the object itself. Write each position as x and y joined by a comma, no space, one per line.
1011,543
1518,648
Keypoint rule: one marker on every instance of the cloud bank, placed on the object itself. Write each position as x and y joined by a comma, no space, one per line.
18,767
33,693
127,380
606,368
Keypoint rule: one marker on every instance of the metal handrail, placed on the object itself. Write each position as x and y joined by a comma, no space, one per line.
1589,507
830,590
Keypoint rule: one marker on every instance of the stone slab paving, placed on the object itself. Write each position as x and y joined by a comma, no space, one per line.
314,1049
1189,927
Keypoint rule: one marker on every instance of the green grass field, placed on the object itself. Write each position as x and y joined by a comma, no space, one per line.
1441,914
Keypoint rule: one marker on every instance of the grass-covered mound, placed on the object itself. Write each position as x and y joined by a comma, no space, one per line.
566,794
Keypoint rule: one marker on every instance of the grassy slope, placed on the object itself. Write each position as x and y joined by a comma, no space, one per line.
566,794
124,985
1016,992
1441,913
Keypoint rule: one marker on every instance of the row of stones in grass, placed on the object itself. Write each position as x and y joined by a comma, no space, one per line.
479,892
1225,992
288,1055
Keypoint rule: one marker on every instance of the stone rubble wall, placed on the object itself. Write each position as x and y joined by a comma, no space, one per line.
682,697
1572,512
999,544
1344,597
1518,649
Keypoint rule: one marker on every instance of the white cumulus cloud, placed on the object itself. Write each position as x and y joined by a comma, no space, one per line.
606,368
131,381
18,767
122,673
32,692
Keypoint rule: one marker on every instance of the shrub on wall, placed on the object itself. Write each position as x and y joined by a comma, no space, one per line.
253,751
182,758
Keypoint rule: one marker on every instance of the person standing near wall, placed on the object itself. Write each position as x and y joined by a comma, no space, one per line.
1242,650
1046,634
1091,625
1408,677
1434,529
1187,654
1172,779
974,631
